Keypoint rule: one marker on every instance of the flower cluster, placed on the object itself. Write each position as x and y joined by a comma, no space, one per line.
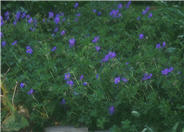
115,13
110,55
68,81
158,46
118,79
147,76
167,70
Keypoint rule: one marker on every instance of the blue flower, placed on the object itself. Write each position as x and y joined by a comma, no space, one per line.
78,14
150,15
158,46
85,83
51,14
120,5
128,4
147,76
167,70
72,42
63,101
146,10
110,55
56,29
124,80
94,10
53,49
99,13
95,40
70,83
23,15
29,50
141,36
30,20
163,44
22,85
81,77
62,33
117,80
111,110
138,18
76,5
15,42
18,15
67,76
97,48
3,43
57,20
97,76
31,91
115,13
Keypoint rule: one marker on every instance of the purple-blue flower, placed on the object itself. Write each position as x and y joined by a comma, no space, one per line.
81,77
146,10
167,70
56,20
67,76
22,85
99,13
97,48
163,44
70,83
95,40
15,42
141,36
76,5
27,16
51,14
126,63
115,13
53,49
150,15
18,15
117,80
72,42
85,83
63,101
158,46
56,29
147,76
111,110
128,4
94,10
124,79
30,20
23,15
14,22
62,33
171,69
31,91
97,76
29,50
3,43
110,55
2,21
78,14
120,5
138,18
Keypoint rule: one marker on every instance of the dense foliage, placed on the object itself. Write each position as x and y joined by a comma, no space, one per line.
104,65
